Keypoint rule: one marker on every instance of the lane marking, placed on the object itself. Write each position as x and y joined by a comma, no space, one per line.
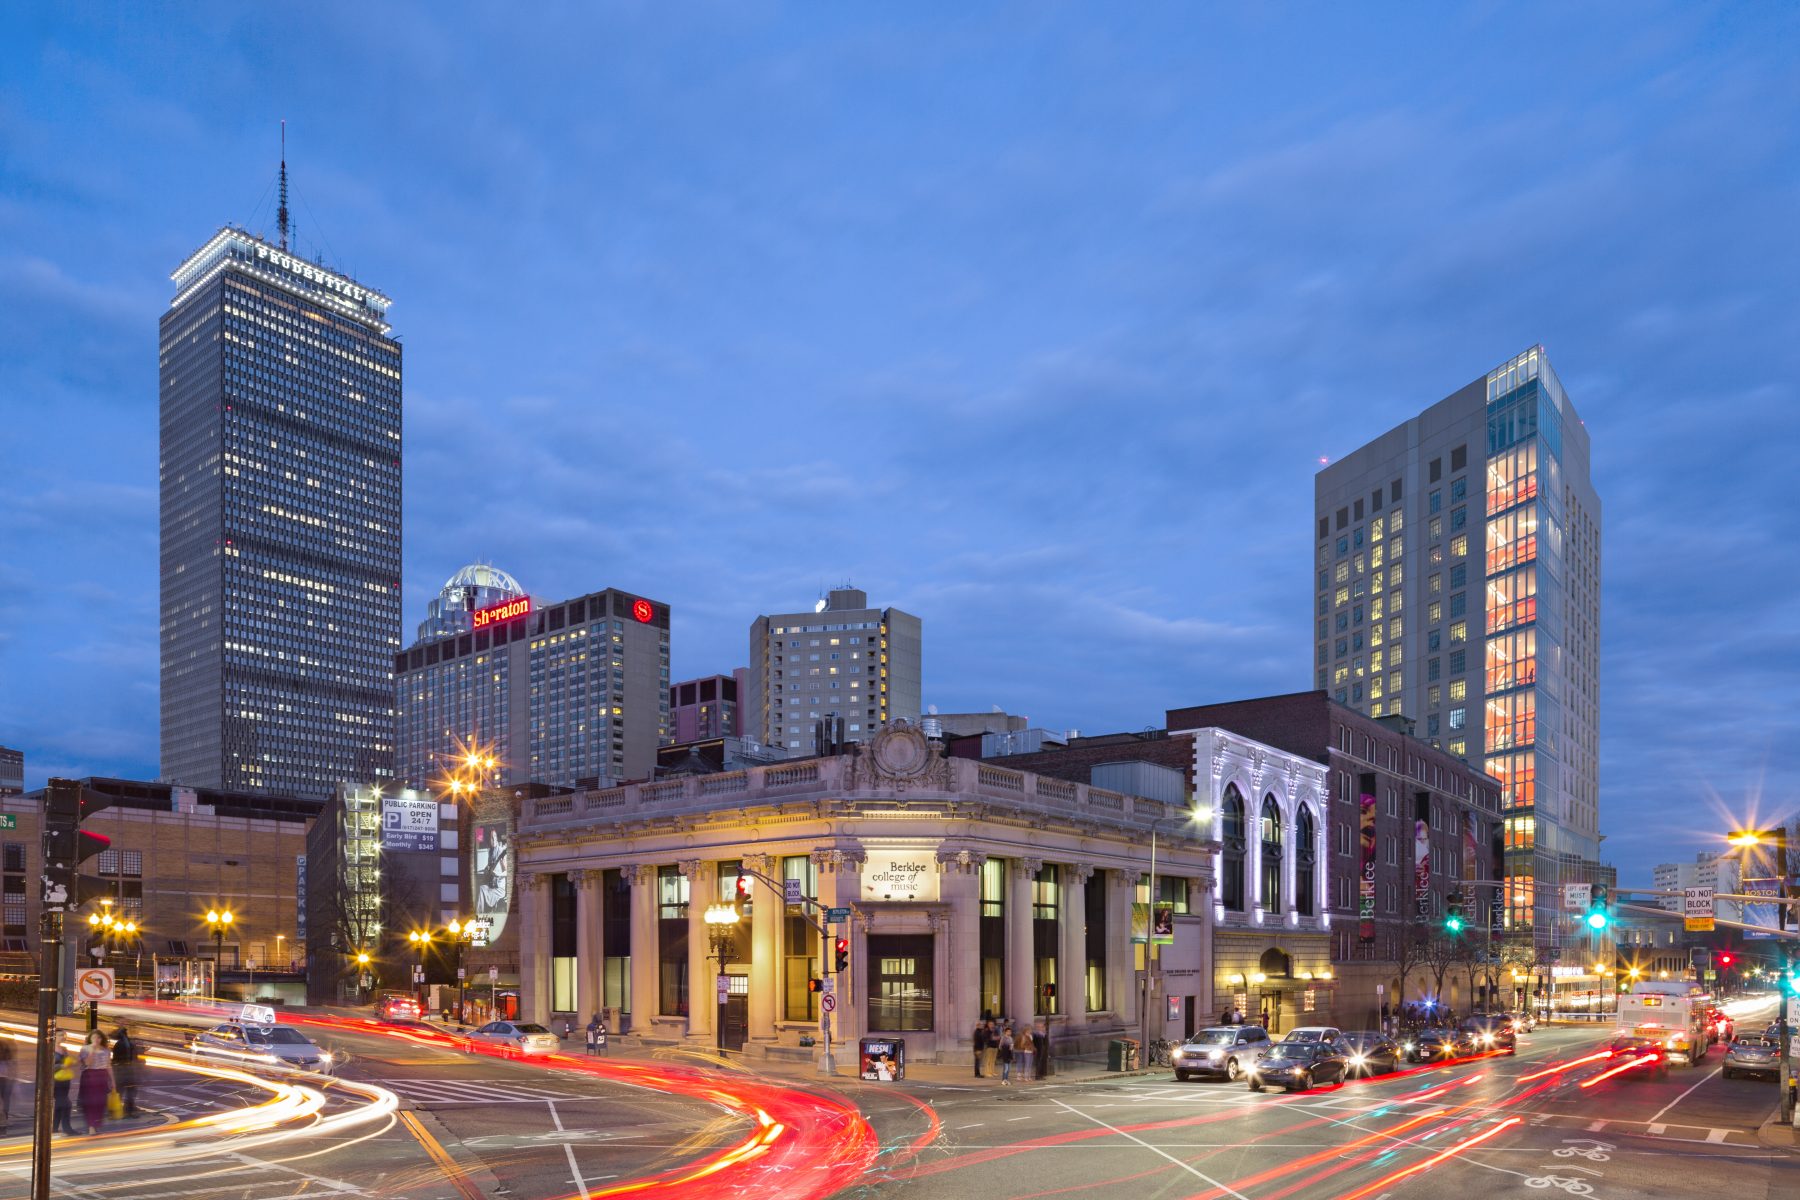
447,1165
1718,1135
1188,1167
1655,1130
1686,1094
580,1183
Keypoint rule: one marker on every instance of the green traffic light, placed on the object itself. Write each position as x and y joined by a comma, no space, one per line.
1596,920
1453,924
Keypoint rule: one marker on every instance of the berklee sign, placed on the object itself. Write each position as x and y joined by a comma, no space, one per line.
506,610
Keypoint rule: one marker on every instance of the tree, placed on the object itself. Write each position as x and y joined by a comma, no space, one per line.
1438,953
1406,950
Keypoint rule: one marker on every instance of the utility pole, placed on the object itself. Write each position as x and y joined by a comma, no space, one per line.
49,971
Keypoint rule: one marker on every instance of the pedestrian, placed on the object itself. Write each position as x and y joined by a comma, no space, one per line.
62,1081
96,1081
596,1029
1225,1016
1237,1016
990,1054
126,1065
1006,1055
1042,1047
980,1042
1025,1052
1265,1016
6,1072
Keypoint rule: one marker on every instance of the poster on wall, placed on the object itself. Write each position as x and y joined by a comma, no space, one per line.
409,823
1164,927
1365,901
1422,866
491,865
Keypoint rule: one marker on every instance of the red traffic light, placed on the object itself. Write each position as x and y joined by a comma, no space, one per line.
743,887
1725,960
843,945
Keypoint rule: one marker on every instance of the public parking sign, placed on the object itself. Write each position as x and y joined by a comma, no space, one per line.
94,984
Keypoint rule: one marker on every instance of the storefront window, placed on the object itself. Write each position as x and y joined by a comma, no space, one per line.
800,945
1231,877
900,982
1096,942
672,942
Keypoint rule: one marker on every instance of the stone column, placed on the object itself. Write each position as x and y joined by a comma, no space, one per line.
959,986
534,947
765,951
645,986
590,943
1020,978
703,995
1071,963
1121,972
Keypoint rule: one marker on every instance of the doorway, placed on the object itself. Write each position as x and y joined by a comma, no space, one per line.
737,1021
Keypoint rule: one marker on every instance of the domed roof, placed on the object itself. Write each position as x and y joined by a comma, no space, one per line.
482,575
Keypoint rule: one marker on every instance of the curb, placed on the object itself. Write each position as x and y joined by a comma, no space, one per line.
1777,1135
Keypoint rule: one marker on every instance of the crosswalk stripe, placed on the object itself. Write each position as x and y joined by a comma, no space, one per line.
473,1092
1718,1135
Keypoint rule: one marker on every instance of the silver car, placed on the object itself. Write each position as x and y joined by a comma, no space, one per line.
520,1037
1752,1055
245,1043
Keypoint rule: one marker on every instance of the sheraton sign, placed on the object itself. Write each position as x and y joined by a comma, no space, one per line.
497,614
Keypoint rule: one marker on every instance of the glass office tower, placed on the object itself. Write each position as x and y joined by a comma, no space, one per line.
1456,586
280,480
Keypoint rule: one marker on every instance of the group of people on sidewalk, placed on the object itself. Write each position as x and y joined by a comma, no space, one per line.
1000,1047
103,1075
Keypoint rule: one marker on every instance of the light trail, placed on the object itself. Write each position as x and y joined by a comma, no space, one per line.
1558,1068
1645,1060
1466,1144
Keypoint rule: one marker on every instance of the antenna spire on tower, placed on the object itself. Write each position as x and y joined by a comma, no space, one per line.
281,214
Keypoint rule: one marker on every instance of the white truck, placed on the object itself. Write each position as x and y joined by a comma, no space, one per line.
1674,1011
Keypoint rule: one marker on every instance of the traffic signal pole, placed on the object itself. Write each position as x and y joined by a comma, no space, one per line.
49,972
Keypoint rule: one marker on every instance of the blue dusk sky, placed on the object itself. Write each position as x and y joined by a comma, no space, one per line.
1033,320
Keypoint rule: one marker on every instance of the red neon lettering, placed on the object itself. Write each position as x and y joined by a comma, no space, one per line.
642,610
506,610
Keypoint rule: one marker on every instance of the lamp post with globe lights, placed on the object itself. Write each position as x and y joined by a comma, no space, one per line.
218,920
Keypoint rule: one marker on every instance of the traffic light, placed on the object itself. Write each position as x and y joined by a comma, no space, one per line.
814,985
743,888
1598,917
66,845
843,953
1049,991
1726,958
1453,919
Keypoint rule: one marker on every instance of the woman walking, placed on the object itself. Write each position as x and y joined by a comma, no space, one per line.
1006,1055
96,1081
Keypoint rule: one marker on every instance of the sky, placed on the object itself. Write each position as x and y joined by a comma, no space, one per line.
1034,320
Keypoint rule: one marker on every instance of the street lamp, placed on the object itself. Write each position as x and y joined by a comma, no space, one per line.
1198,815
420,938
462,933
721,931
1746,839
362,973
218,920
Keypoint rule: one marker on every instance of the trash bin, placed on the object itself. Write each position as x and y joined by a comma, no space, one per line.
1122,1054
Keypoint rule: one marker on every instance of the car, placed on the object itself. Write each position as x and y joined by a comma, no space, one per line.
1437,1045
1721,1027
1314,1033
1640,1043
1753,1055
1222,1050
249,1043
1522,1022
1297,1066
520,1037
399,1007
1490,1033
1369,1052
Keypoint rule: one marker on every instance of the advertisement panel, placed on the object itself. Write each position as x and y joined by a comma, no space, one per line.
1164,926
409,823
1422,866
491,865
1365,901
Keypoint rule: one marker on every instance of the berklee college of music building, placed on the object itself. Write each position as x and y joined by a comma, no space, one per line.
973,889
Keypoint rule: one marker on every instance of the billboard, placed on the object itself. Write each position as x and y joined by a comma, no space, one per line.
1164,924
491,864
1365,900
1422,866
409,823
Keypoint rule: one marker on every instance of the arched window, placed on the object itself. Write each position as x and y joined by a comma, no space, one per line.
1231,878
1269,895
1305,860
1276,965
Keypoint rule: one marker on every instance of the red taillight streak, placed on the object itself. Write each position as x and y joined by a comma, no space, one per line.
1641,1061
1564,1066
1434,1160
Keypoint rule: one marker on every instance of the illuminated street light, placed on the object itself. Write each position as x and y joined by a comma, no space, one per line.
721,930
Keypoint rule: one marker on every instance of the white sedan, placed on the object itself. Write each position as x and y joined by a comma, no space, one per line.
521,1037
274,1044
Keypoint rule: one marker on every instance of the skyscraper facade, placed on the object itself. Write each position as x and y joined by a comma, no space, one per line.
571,692
843,661
280,481
1457,583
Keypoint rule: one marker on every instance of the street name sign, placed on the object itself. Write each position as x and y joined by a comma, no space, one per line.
836,916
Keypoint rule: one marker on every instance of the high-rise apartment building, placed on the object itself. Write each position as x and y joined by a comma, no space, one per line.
1720,872
705,708
843,661
280,476
1457,583
12,771
574,692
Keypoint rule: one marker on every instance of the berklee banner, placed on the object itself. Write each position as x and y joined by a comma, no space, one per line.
1422,866
1365,903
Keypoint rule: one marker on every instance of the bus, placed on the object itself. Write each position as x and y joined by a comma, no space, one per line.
1673,1009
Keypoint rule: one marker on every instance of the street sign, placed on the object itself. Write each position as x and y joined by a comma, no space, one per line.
8,821
828,985
790,891
461,973
1576,896
493,974
94,984
1697,907
724,988
836,916
829,1003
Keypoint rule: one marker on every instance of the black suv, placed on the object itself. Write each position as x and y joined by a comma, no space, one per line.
1490,1033
1296,1066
